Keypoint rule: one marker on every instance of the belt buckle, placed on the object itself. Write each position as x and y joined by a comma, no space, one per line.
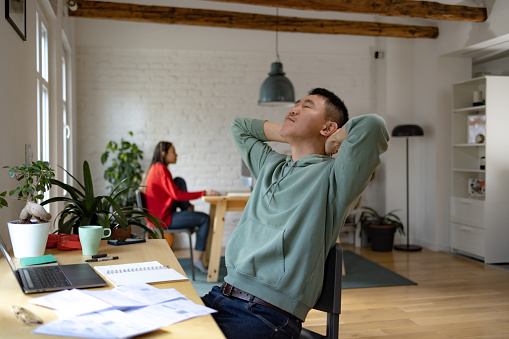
227,289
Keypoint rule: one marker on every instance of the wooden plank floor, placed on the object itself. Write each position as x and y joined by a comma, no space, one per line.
454,298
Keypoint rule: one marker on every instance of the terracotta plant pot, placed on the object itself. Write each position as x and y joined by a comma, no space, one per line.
119,233
28,240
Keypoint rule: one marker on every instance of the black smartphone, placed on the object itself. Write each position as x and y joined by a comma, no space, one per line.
127,241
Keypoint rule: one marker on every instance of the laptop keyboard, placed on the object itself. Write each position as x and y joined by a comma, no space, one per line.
50,276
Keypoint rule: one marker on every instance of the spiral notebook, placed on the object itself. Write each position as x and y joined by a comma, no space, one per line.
143,272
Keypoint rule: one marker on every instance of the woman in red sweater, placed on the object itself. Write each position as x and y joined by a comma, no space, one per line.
168,199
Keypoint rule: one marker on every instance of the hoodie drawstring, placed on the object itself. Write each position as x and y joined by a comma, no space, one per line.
274,185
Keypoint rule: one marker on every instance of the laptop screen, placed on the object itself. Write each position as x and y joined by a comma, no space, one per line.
9,260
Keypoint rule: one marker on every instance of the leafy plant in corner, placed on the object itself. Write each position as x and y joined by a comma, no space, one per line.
34,179
83,208
371,217
124,170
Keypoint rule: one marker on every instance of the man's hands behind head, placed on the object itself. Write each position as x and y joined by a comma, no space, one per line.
333,142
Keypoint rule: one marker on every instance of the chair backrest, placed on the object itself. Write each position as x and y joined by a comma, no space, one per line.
141,203
330,298
140,199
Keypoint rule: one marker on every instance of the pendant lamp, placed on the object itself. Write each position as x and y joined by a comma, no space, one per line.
276,90
407,131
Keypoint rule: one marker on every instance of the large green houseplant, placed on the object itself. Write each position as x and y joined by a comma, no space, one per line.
124,170
83,208
29,234
380,227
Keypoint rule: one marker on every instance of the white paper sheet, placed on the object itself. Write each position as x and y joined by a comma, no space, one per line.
71,302
125,324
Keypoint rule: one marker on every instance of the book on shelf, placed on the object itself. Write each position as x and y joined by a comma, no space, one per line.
43,260
476,188
143,272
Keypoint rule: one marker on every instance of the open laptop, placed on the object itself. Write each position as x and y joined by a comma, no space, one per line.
53,278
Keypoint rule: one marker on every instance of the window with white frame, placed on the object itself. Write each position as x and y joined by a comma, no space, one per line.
42,68
66,114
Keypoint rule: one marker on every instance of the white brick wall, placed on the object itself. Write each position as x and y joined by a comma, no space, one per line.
190,99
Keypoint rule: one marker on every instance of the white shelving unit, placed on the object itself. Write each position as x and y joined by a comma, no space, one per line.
480,222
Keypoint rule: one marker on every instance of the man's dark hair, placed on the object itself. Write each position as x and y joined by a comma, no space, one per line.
335,109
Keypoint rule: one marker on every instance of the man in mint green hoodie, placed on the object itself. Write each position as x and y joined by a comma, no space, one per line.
275,257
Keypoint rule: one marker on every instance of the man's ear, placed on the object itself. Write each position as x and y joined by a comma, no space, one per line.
329,128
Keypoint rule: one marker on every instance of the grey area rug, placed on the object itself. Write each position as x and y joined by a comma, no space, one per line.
360,273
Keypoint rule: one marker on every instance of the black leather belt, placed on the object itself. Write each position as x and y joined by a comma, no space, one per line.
231,291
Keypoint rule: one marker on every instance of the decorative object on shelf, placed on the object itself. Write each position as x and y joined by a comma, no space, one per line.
407,131
476,188
477,99
476,129
276,90
482,163
16,14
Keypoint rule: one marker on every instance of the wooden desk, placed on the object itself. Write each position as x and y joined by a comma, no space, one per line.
153,249
219,205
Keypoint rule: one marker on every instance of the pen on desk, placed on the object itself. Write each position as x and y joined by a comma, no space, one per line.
101,259
102,255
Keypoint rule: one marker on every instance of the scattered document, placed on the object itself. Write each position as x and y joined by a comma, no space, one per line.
135,295
71,302
107,324
239,194
143,272
118,313
78,302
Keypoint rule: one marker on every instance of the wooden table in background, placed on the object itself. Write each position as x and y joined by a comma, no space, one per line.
219,205
153,249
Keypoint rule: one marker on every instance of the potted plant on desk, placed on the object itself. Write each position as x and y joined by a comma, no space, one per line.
30,233
84,208
123,171
381,228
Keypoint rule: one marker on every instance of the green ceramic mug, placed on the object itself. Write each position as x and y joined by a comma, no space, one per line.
90,238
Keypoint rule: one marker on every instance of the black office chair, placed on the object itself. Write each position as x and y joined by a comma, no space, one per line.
330,298
140,200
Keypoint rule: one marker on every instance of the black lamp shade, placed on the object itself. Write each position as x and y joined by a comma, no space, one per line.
276,90
407,131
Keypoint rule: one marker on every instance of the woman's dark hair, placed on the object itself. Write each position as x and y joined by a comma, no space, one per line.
162,146
335,109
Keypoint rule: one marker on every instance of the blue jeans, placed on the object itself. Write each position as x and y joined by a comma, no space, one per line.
245,320
186,219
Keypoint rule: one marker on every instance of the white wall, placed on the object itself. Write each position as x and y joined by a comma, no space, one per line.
190,96
436,66
18,95
18,117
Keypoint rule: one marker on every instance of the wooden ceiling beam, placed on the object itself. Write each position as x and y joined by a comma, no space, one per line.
202,17
413,9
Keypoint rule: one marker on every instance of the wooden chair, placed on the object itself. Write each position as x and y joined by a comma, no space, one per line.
140,200
330,298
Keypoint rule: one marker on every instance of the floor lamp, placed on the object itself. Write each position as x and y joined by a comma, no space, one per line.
407,131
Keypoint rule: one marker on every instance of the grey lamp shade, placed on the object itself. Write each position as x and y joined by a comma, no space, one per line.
407,131
276,90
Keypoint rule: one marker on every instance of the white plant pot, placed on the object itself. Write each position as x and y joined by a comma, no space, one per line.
28,240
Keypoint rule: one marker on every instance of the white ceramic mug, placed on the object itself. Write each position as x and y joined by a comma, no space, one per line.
90,238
